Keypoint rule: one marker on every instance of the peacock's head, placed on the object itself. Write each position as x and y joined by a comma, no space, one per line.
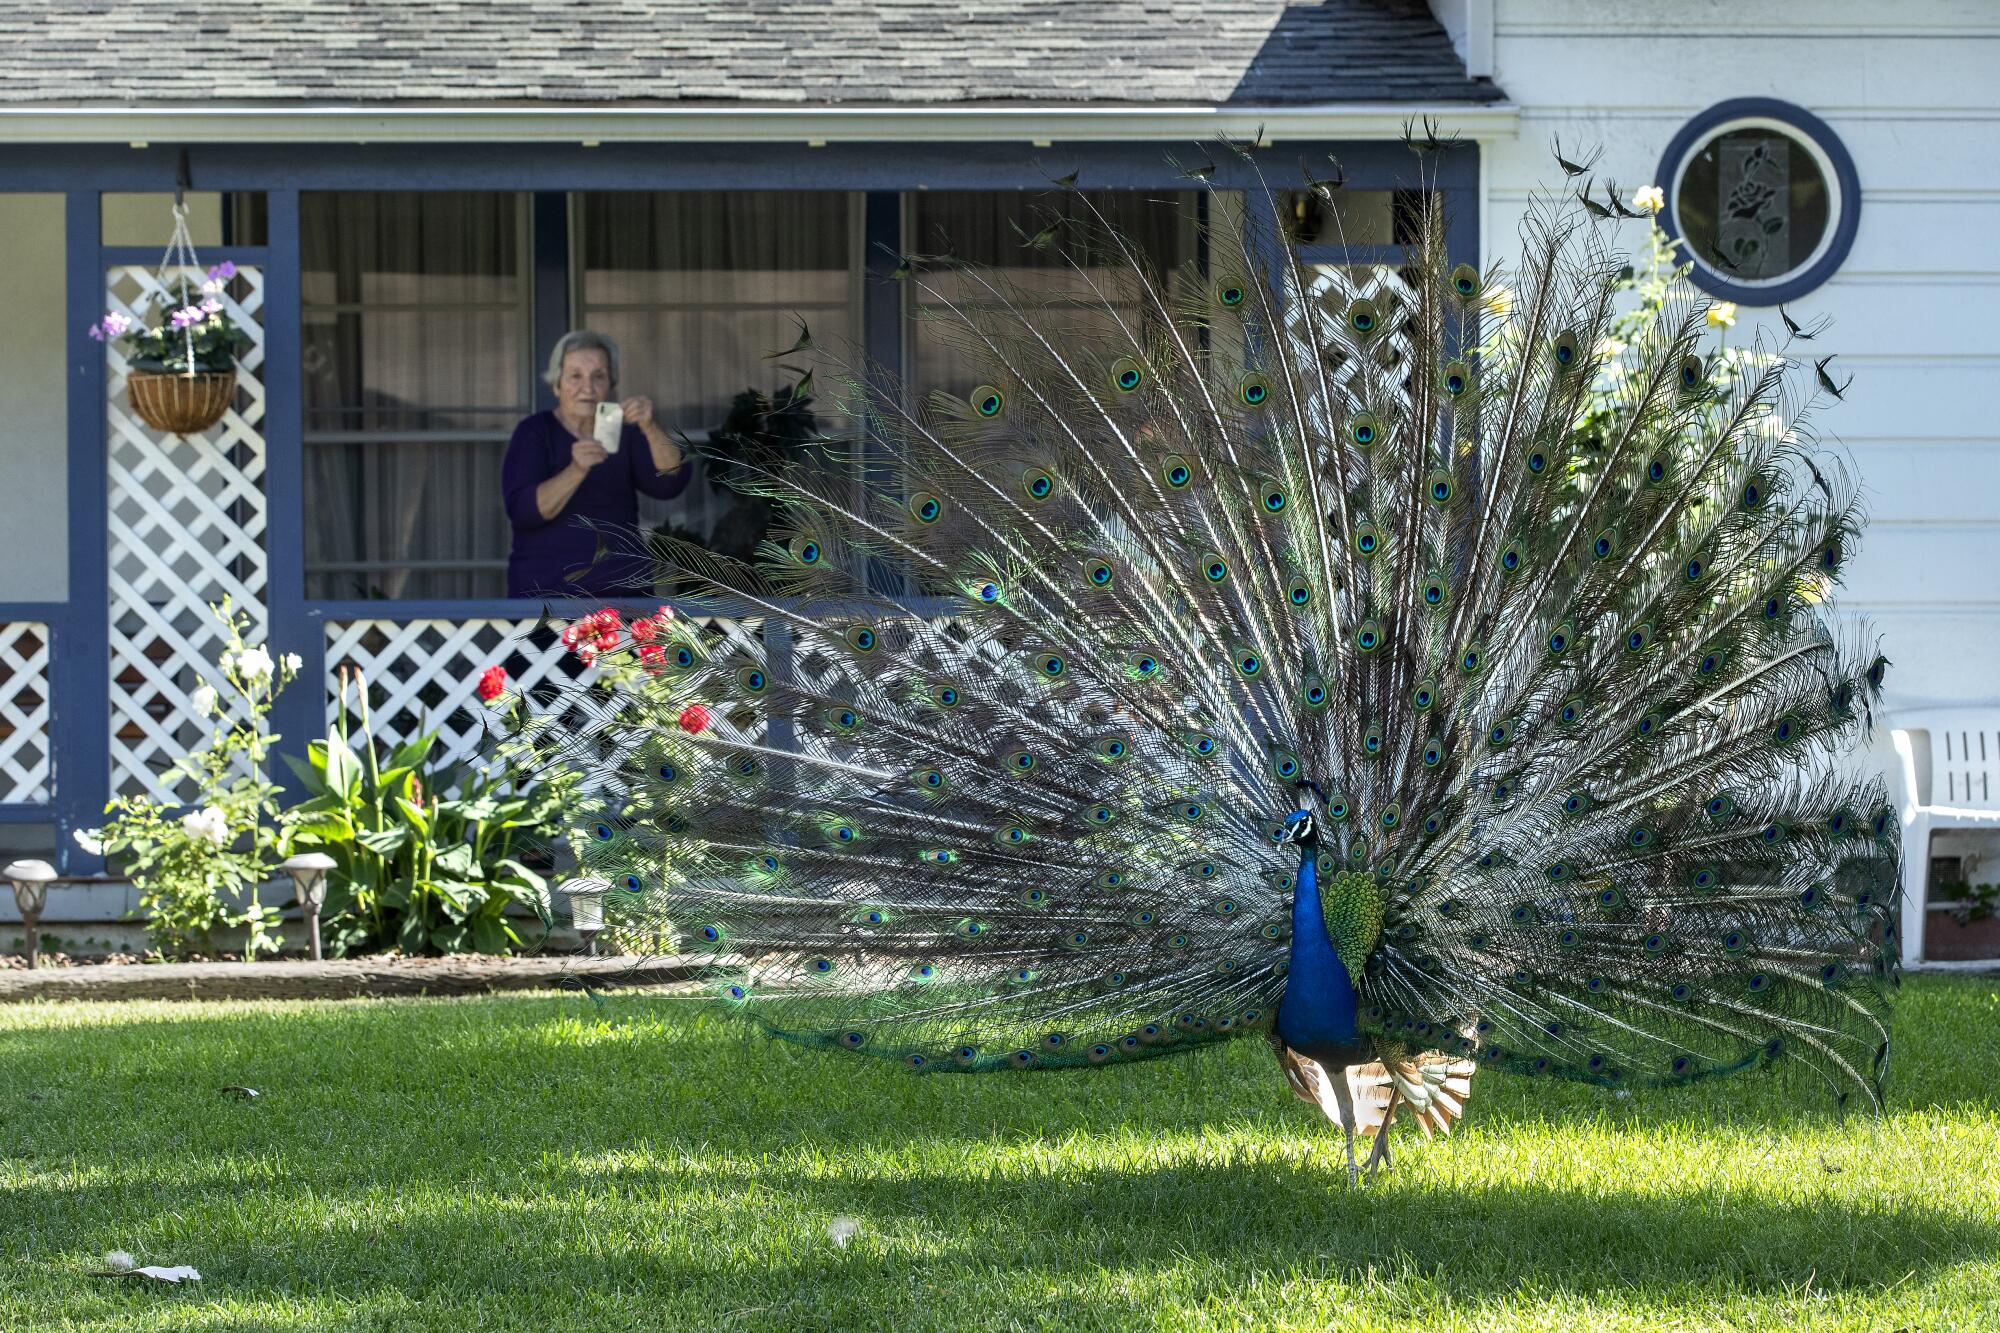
1298,827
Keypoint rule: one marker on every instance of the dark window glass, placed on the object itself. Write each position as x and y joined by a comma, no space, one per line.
996,229
1754,204
416,368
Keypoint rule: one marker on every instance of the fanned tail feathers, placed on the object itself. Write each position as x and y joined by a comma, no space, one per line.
994,779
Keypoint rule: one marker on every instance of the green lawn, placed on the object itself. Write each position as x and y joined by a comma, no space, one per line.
545,1162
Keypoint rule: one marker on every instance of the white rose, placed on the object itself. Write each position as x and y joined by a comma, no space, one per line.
255,664
293,663
1649,198
208,824
90,839
203,700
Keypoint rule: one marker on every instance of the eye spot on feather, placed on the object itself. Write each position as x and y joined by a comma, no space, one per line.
1039,483
1127,375
988,401
926,508
1176,472
1253,390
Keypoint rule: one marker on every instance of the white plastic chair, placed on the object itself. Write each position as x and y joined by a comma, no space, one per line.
1951,779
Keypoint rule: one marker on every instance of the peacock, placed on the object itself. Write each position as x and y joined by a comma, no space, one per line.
1385,663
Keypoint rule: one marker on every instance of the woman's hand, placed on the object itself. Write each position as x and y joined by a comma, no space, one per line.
586,453
638,412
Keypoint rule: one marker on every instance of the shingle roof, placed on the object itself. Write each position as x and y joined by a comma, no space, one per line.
1207,52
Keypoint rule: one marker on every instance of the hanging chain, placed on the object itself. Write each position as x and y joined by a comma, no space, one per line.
180,258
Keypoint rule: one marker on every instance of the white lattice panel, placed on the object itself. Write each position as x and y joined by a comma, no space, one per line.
1334,286
424,674
187,520
24,712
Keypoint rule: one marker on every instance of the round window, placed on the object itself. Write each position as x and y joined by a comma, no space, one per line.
1765,197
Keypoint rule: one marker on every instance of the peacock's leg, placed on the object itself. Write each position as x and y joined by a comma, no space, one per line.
1345,1100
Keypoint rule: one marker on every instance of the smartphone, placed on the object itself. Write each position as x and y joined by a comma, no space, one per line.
609,426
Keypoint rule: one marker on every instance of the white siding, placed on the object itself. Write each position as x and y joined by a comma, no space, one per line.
1911,91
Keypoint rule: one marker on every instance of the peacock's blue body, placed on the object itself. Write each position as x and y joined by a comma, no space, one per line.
1318,1014
1000,754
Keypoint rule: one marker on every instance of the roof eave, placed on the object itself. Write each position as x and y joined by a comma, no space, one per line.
658,123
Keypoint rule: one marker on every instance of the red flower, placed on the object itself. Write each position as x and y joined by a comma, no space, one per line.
643,630
694,719
492,683
572,635
607,641
652,654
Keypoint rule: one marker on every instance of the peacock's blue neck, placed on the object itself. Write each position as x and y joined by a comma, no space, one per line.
1318,1008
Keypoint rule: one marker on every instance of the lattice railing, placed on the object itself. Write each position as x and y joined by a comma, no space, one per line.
186,520
24,712
424,674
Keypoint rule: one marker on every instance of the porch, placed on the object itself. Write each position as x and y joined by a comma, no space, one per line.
401,301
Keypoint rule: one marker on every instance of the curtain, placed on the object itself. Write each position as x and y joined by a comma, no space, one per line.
415,369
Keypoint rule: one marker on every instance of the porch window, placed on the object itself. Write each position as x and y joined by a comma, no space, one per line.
700,288
992,228
417,365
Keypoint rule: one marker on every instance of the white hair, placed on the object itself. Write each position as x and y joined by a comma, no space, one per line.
580,340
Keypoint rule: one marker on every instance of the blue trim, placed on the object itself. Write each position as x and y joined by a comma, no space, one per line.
550,319
889,166
47,612
300,713
1845,222
148,256
24,812
883,310
79,649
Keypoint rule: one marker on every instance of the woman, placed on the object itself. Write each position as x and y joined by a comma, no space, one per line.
567,497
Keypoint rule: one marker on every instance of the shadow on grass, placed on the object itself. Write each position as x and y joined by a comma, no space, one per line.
687,1154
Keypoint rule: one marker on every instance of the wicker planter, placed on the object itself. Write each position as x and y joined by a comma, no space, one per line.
180,403
1947,941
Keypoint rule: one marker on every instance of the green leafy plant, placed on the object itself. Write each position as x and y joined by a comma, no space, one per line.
425,851
1975,902
190,866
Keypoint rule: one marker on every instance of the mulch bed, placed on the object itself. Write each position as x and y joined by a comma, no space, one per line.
334,979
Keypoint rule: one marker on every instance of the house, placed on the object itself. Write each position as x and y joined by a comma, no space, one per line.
421,197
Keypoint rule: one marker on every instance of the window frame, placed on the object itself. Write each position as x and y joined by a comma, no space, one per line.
1837,166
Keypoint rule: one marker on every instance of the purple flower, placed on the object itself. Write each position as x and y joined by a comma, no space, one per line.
188,316
211,305
226,269
97,332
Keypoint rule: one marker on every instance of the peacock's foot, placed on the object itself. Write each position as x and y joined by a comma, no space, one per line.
1378,1157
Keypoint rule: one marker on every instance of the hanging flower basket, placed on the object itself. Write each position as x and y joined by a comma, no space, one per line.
181,350
179,403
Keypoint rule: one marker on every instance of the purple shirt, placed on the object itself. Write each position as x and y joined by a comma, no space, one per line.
552,557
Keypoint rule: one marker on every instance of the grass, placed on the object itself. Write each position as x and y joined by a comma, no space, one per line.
544,1162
